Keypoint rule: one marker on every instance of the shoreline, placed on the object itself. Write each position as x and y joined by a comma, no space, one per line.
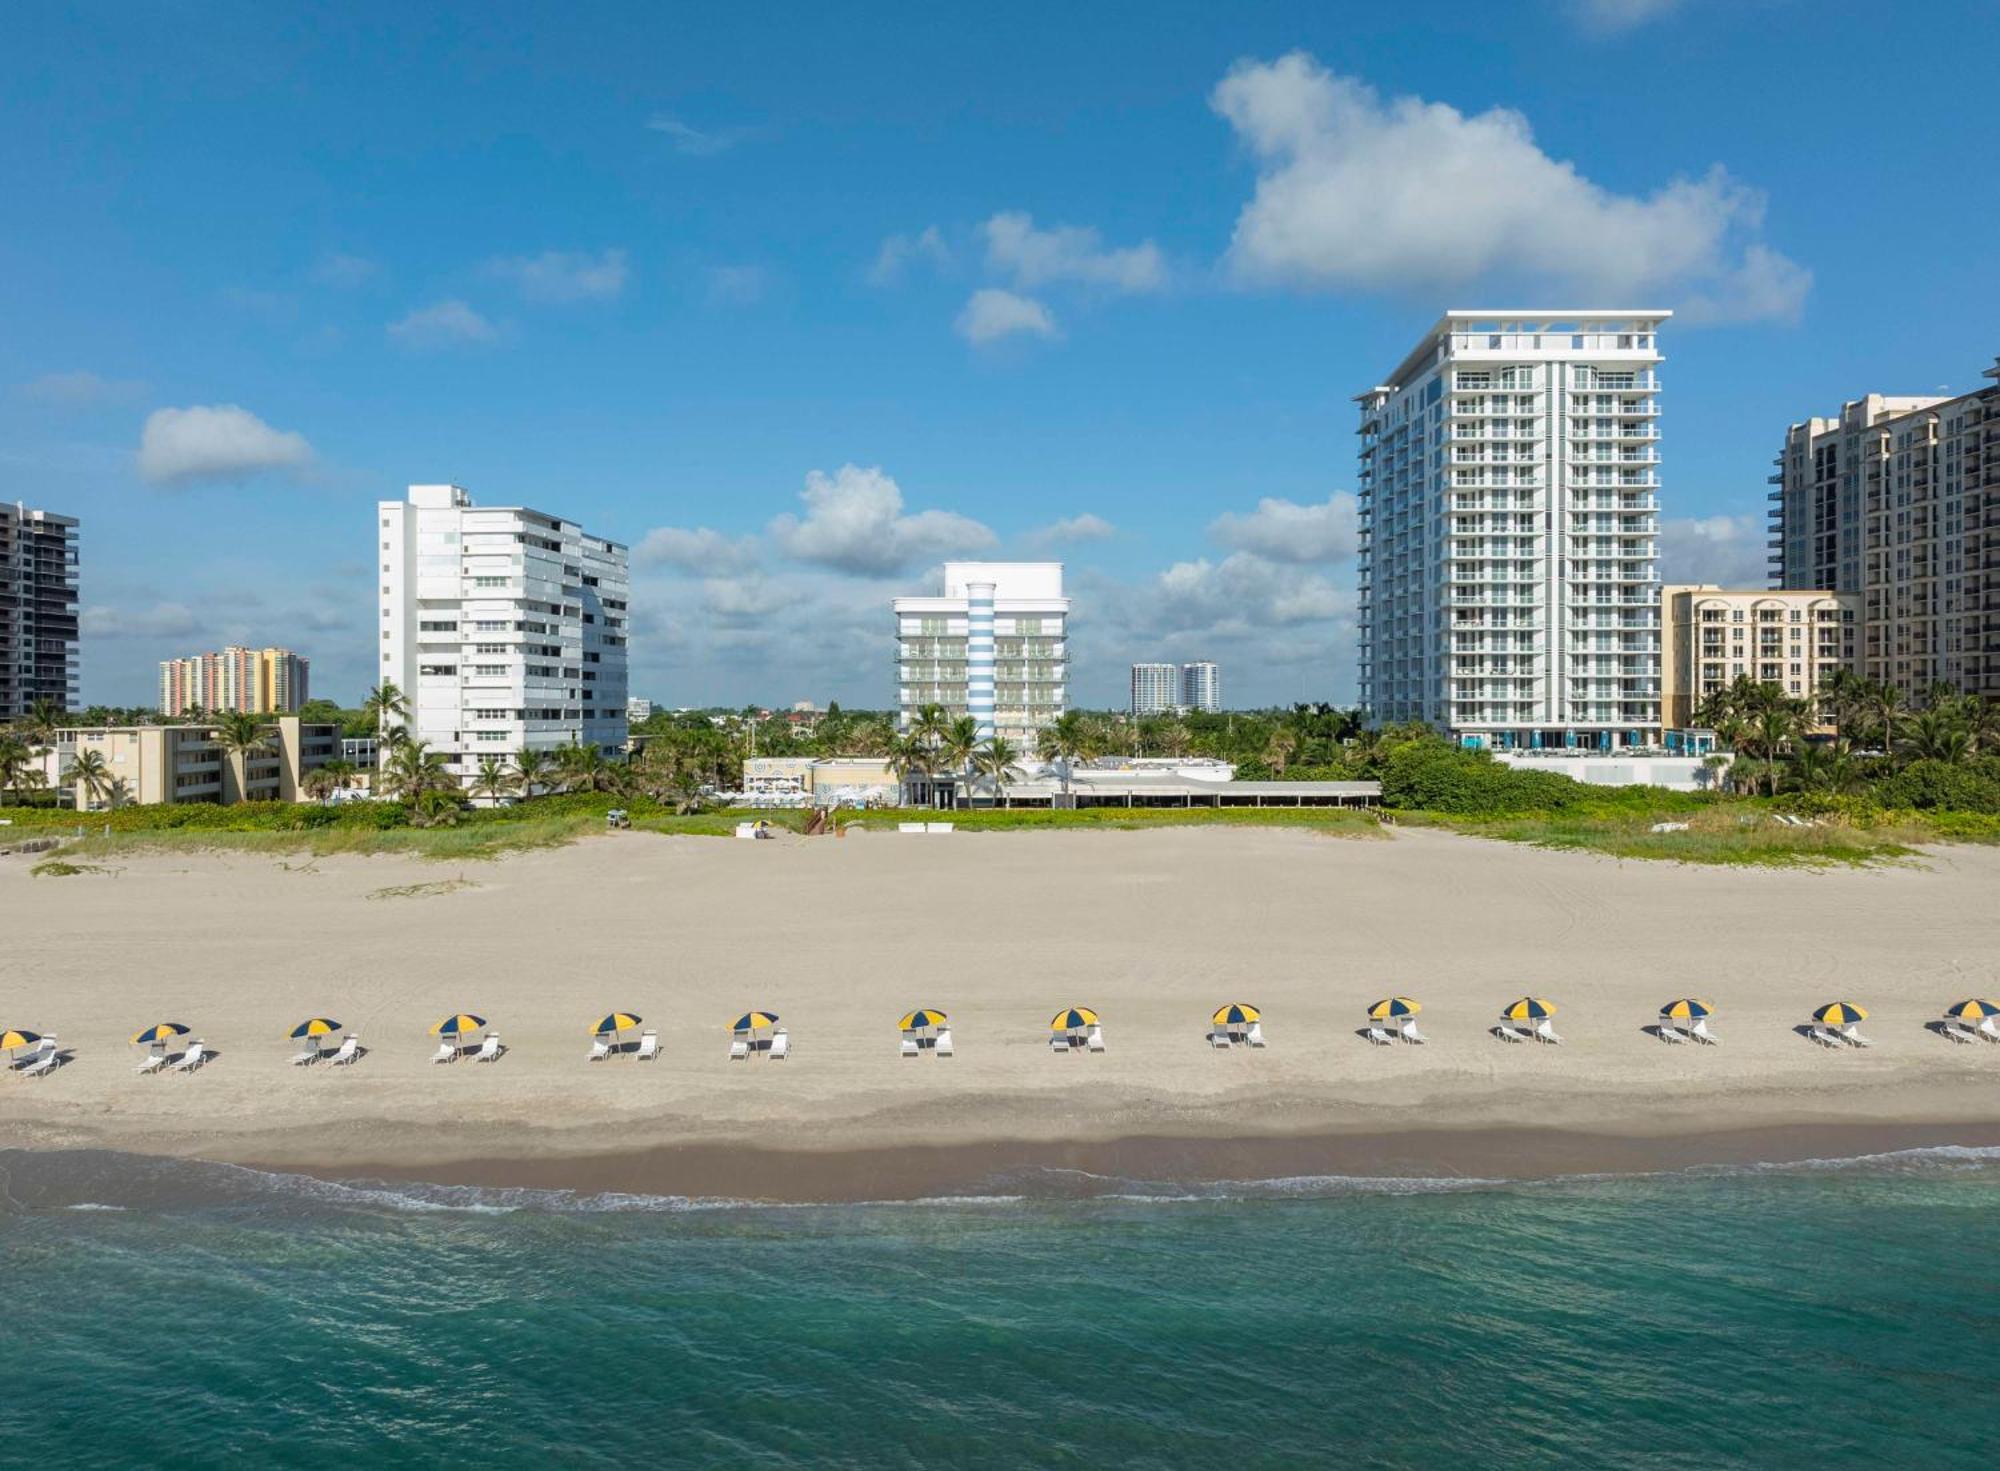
911,1172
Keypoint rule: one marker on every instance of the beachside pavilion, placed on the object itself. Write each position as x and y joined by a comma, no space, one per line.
1088,788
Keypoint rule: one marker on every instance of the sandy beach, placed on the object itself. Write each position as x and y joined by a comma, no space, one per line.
1154,929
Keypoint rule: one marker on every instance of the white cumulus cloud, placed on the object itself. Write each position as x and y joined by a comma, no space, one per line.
1285,531
1033,257
564,275
899,252
448,324
215,442
991,314
1727,550
1071,529
1358,191
854,522
696,549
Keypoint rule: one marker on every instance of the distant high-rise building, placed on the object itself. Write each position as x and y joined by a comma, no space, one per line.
1509,571
993,644
253,681
505,628
1156,688
38,635
1201,686
638,710
1898,500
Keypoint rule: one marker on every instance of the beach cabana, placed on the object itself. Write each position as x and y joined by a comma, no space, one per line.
1975,1015
1536,1009
1401,1010
1841,1018
1072,1026
749,1030
1238,1021
608,1034
1686,1018
451,1032
309,1032
924,1029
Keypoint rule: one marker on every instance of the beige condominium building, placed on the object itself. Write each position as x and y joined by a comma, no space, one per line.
1793,638
1898,500
146,765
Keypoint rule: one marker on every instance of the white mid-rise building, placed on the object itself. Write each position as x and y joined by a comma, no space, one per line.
992,644
1156,688
1201,686
505,628
1509,569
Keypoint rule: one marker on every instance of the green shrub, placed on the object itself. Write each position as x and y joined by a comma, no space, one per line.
1435,775
1937,785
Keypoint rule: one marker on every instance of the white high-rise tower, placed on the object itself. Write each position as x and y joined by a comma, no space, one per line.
992,645
1509,571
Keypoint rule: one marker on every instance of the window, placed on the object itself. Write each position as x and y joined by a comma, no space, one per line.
483,582
491,670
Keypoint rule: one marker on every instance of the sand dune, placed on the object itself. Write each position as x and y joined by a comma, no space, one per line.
1154,929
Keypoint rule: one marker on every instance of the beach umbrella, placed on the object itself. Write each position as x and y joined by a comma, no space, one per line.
159,1032
1073,1020
1840,1013
318,1026
14,1039
1390,1006
755,1021
1529,1009
1687,1009
1236,1014
617,1021
922,1017
1977,1009
458,1023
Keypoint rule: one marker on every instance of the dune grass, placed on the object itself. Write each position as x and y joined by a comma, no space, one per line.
1727,836
1335,821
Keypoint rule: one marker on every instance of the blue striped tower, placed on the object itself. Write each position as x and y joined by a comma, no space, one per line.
979,656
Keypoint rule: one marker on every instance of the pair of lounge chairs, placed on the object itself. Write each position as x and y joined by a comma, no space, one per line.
1542,1031
1406,1031
1697,1032
39,1063
1091,1041
649,1048
942,1046
1847,1035
342,1056
778,1051
1250,1036
489,1050
1988,1030
185,1062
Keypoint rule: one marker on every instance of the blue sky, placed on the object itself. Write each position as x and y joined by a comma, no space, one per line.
800,300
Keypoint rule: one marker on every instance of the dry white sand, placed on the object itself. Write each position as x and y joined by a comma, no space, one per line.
1152,928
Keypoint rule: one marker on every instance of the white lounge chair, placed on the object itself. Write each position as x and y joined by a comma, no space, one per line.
305,1056
489,1050
153,1063
191,1059
738,1050
43,1064
40,1052
1668,1032
1700,1032
781,1045
1508,1032
1380,1035
1410,1033
1062,1042
649,1047
910,1047
1255,1036
1825,1036
1218,1039
599,1050
1989,1029
447,1052
349,1051
1958,1032
1851,1035
1094,1039
943,1047
1545,1031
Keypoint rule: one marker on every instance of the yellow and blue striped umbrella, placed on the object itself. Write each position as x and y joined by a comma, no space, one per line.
1977,1009
617,1021
1529,1008
455,1024
755,1021
319,1026
1394,1006
14,1038
923,1016
1236,1014
1073,1020
159,1032
1840,1013
1687,1009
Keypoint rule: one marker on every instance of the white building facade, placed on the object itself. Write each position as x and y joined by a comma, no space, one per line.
506,628
993,644
1201,686
1156,688
1509,572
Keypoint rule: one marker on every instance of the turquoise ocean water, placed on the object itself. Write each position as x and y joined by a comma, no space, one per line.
1828,1315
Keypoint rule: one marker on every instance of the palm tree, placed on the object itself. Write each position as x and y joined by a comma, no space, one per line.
39,725
1827,769
1280,748
531,770
1771,732
993,760
241,735
494,780
319,783
414,771
13,763
1936,734
1883,705
1842,696
386,703
960,745
92,777
1070,739
339,772
582,768
910,758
